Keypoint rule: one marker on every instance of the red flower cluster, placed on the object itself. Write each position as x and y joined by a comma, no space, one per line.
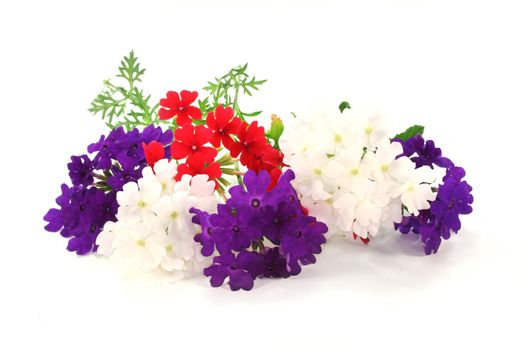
243,140
255,151
179,106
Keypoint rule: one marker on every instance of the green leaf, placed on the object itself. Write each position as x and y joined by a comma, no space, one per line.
130,69
227,89
123,103
344,105
411,131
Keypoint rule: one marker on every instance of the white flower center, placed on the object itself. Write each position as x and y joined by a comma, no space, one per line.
193,147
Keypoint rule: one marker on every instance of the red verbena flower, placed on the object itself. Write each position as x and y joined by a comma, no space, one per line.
251,141
197,165
189,142
223,124
264,158
180,106
154,151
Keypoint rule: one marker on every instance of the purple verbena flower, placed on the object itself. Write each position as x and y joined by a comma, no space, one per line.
251,217
303,238
206,236
126,147
86,206
454,197
241,270
426,153
81,170
81,217
274,264
233,228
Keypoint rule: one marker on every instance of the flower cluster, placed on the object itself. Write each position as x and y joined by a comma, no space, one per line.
193,185
120,156
255,152
349,175
154,229
90,202
453,198
198,145
258,232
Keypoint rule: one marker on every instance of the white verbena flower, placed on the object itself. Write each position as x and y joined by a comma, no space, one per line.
315,174
137,199
154,231
348,174
139,248
415,189
163,172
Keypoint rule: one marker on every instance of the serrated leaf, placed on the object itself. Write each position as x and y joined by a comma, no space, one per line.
125,101
226,90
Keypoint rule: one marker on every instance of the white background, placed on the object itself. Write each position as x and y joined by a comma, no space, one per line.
456,67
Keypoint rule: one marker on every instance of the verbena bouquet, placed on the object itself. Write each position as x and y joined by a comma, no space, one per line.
194,185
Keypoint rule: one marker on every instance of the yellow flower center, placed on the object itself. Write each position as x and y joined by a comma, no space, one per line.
141,243
369,130
354,171
169,248
164,187
174,215
338,138
318,171
142,204
384,168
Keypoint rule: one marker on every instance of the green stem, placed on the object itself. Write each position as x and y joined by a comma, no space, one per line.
236,99
238,171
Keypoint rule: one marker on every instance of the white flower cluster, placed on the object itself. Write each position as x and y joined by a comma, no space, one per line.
154,229
347,174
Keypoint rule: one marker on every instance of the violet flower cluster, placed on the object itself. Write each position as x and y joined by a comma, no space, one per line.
258,233
90,201
453,199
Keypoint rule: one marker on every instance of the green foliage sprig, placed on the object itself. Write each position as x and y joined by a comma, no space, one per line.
226,90
124,103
